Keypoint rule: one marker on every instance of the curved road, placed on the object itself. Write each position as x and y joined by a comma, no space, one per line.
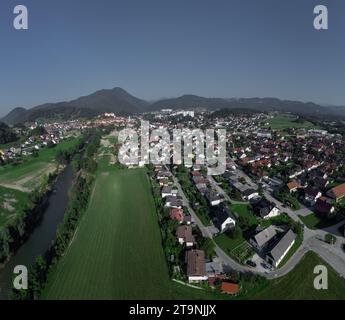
333,255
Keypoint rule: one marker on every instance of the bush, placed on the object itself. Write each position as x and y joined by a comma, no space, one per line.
330,238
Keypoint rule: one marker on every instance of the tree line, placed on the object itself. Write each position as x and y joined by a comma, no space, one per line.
84,168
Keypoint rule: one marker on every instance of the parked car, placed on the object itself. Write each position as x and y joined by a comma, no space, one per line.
266,266
251,263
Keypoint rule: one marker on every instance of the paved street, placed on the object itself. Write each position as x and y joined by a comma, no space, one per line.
312,238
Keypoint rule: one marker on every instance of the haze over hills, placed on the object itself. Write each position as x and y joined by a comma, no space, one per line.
114,100
121,102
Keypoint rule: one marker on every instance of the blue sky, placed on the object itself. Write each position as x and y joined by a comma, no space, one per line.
166,48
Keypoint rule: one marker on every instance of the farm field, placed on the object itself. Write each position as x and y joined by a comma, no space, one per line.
282,122
116,252
298,284
27,175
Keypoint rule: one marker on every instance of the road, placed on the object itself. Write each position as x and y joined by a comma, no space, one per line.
332,254
312,239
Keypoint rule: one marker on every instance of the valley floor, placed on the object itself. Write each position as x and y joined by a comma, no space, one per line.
116,252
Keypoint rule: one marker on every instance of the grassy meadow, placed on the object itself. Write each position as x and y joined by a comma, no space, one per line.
284,121
116,252
27,175
17,181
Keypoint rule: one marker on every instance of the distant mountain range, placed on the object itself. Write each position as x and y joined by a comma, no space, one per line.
121,102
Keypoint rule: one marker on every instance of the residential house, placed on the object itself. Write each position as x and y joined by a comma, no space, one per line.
214,269
213,198
250,194
265,209
200,183
184,235
173,202
279,251
311,195
196,173
293,186
169,191
177,214
163,174
196,268
324,206
337,193
261,239
223,218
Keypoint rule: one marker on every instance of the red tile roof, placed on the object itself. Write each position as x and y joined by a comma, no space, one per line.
293,185
177,214
339,191
230,288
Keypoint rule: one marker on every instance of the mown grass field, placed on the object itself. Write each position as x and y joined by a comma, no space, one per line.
281,122
27,175
298,284
117,252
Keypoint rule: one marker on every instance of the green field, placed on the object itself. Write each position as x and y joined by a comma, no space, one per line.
298,284
282,121
116,252
27,175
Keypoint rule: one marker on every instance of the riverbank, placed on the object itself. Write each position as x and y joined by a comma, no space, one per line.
44,233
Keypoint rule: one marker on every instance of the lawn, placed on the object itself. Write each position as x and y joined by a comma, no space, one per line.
313,221
116,252
298,284
237,248
27,175
281,122
278,220
245,211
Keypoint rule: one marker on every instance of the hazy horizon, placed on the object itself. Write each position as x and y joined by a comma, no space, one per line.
163,98
156,50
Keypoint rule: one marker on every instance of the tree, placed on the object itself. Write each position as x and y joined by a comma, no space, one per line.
38,131
330,238
6,134
242,180
235,232
208,246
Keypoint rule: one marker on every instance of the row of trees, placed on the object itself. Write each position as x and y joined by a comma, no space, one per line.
78,201
172,249
15,233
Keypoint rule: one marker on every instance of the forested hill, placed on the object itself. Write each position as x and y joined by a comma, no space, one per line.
6,134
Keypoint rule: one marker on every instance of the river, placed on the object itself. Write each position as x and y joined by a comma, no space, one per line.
42,237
